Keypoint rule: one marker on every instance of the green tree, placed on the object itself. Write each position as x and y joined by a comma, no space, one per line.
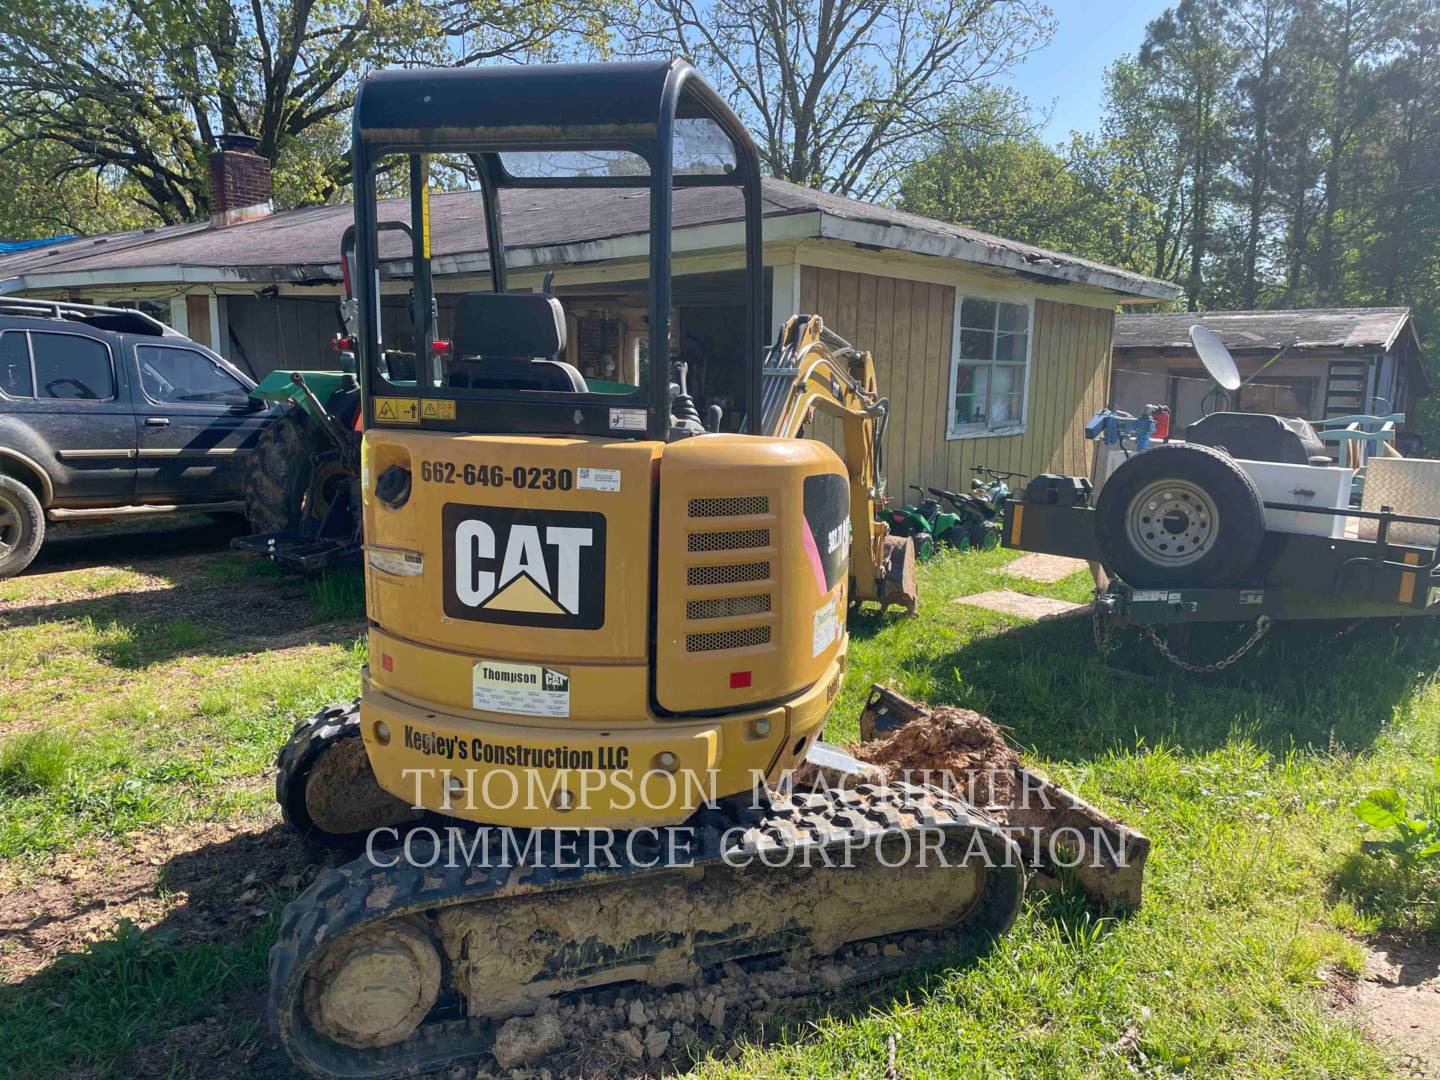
988,169
1192,71
143,88
1257,31
842,94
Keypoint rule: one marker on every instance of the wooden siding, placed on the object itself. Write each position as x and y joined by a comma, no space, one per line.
909,326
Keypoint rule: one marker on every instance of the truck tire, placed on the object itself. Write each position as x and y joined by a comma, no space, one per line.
22,526
1180,515
278,472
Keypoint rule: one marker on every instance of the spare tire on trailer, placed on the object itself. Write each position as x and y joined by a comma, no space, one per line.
278,474
1180,515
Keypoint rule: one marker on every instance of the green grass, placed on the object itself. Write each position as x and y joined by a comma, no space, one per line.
339,594
1255,888
133,716
34,763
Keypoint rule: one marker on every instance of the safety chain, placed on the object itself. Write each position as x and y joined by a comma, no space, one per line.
1100,627
1262,627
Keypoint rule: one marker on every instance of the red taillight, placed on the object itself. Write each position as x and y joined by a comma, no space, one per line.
739,680
1162,424
440,348
386,662
341,343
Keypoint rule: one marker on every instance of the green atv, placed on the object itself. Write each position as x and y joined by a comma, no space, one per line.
927,525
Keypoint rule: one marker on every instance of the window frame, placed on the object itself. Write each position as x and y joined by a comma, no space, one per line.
202,351
24,332
30,333
954,432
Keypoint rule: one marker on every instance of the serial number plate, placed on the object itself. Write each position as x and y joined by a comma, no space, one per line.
497,476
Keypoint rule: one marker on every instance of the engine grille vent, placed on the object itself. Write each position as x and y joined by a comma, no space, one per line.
727,607
728,639
737,574
730,507
734,540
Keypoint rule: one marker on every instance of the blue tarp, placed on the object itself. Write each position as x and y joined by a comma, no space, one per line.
9,247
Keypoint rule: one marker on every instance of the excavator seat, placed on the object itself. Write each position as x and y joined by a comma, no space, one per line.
510,341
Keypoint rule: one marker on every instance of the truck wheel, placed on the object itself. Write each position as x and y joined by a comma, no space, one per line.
278,473
1180,516
22,526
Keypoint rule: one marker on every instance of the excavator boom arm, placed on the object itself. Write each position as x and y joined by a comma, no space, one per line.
813,368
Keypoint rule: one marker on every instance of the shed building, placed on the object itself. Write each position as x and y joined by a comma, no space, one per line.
1337,362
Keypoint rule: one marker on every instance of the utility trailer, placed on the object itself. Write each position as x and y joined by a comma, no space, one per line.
1296,576
1247,520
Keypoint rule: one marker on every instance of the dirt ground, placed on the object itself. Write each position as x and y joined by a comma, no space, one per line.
1397,1000
201,882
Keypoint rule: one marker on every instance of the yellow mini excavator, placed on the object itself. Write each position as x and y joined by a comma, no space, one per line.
600,605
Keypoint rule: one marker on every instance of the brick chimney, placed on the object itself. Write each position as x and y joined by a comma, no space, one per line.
240,187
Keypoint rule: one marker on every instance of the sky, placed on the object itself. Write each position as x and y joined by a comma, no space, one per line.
1068,74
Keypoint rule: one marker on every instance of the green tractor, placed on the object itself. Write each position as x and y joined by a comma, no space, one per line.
302,480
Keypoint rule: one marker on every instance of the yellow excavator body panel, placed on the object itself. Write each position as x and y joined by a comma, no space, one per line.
598,632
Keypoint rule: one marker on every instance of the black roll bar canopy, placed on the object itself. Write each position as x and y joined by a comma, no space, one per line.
486,111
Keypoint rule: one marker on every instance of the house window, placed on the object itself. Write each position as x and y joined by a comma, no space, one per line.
990,367
1281,396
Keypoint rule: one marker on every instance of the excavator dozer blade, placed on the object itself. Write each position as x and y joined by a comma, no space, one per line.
388,970
1059,831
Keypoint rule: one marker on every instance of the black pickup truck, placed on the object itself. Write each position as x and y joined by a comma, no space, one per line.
107,413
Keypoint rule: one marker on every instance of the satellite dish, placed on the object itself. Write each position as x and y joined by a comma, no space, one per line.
1216,358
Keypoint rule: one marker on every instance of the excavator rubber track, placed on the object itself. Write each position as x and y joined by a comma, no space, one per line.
383,971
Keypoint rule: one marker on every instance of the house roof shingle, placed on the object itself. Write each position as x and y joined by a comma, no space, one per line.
301,245
1266,331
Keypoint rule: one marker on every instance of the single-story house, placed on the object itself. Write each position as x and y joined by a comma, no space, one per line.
1337,362
990,351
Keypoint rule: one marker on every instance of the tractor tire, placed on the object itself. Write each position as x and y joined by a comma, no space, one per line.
1180,516
278,472
22,526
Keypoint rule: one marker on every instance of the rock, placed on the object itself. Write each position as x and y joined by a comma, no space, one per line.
715,1014
833,977
892,950
638,1016
524,1039
629,1042
872,949
656,1043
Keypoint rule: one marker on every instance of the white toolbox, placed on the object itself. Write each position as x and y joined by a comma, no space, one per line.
1304,485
